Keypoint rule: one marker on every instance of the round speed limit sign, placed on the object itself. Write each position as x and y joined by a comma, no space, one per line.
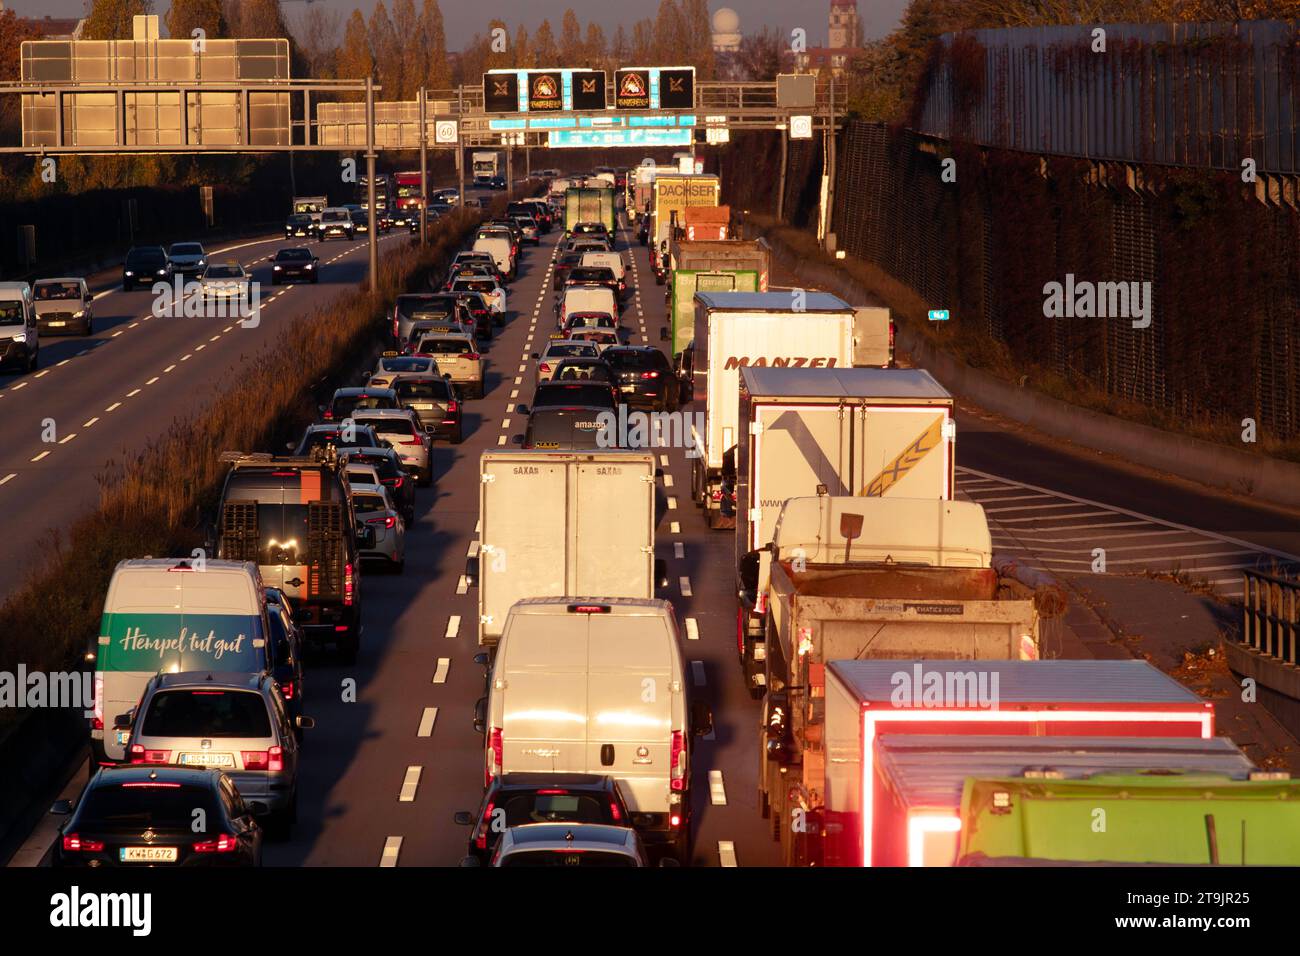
444,131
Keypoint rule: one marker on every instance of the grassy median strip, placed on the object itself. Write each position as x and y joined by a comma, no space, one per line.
151,501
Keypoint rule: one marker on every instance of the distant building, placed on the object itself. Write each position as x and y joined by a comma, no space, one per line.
726,43
51,28
843,41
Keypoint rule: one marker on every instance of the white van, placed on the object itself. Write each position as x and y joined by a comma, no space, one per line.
19,342
499,249
588,298
168,615
608,260
598,685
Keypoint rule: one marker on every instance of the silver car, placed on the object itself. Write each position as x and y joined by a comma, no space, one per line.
392,364
402,429
381,530
187,258
234,722
555,352
568,844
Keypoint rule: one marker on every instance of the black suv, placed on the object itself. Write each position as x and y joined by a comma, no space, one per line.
643,376
145,265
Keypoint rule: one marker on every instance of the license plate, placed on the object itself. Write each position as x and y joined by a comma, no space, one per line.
147,854
57,324
208,760
123,737
627,388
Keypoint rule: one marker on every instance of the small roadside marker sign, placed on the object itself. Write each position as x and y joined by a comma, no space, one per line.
938,315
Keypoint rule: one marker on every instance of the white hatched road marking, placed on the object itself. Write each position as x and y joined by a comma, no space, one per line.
1043,538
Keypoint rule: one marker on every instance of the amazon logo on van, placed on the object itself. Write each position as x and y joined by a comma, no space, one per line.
744,361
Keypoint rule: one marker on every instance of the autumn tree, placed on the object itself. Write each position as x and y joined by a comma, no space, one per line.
500,56
433,35
570,40
643,42
317,34
621,51
387,51
760,54
112,19
256,18
186,16
669,33
594,46
523,51
355,60
544,50
699,37
411,53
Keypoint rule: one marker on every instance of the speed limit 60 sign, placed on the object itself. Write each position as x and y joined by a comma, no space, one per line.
444,131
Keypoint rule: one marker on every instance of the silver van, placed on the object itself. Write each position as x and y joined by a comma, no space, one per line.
19,341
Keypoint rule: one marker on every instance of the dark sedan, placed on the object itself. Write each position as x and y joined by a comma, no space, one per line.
435,403
295,263
145,816
643,376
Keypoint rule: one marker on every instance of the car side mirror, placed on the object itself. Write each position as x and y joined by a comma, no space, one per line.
535,355
481,659
463,818
288,446
701,719
470,861
306,723
516,439
122,722
302,615
61,807
521,410
663,333
480,715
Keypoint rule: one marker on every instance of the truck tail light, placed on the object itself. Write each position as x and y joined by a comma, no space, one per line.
678,761
222,844
452,407
544,367
740,631
97,723
348,583
891,341
615,813
716,495
497,746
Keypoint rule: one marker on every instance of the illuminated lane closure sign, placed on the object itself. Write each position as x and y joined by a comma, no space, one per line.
655,88
543,91
618,136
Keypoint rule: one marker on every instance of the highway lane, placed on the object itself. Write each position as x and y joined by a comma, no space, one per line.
108,394
409,732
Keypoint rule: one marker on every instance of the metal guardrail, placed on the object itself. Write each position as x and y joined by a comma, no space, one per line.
1185,94
1270,615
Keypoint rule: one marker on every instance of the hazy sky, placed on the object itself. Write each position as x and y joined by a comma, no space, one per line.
464,19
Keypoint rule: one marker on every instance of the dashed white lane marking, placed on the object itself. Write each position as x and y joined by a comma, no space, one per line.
8,478
214,338
152,380
133,325
518,381
409,785
726,853
514,393
113,406
501,440
522,367
42,373
674,527
453,626
426,722
117,333
61,364
472,550
672,504
15,388
462,585
717,790
692,629
200,348
133,393
668,481
663,460
168,369
685,584
89,423
40,456
67,438
679,550
186,358
697,673
392,849
227,329
440,675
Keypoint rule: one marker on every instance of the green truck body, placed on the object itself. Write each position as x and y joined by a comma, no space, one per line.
1132,818
711,265
589,204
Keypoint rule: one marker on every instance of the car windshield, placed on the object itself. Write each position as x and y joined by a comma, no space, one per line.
186,249
591,320
300,220
387,467
145,257
293,255
141,804
591,858
435,388
392,426
591,274
474,285
565,428
582,371
445,347
337,215
573,394
48,291
11,313
555,808
345,405
638,359
206,713
224,272
363,501
409,305
403,363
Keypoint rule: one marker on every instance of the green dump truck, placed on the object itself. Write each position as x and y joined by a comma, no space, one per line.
1132,818
719,265
589,204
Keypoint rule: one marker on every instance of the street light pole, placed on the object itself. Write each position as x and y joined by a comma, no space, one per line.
460,146
373,231
424,167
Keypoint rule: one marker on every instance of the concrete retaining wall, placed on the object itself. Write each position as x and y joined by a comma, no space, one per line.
1218,466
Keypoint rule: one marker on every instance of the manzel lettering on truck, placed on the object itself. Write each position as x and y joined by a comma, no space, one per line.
777,361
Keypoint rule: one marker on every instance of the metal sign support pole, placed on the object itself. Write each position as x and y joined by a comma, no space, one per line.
460,146
373,231
424,167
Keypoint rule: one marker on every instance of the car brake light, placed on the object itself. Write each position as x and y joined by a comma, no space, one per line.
348,584
97,723
222,844
677,761
451,407
614,813
675,819
588,608
649,374
286,690
544,367
387,521
140,755
329,416
497,744
480,838
552,793
716,495
72,843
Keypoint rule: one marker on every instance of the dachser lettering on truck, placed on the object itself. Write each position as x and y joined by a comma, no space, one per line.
678,189
744,361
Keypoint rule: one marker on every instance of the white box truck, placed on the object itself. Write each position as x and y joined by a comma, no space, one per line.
485,164
556,523
598,686
737,330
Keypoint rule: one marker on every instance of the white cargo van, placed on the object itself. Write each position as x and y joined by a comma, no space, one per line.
598,685
19,336
588,298
498,247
